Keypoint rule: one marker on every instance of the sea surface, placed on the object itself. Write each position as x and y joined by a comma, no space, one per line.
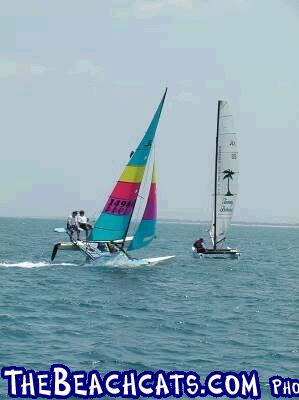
227,315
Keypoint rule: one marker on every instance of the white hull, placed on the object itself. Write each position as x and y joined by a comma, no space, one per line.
84,246
218,253
92,250
98,257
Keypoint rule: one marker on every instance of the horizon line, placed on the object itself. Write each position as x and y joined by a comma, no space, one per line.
173,220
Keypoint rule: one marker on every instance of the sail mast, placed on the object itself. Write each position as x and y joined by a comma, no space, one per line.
216,171
129,223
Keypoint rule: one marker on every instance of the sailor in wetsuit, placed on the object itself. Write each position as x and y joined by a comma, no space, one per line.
198,244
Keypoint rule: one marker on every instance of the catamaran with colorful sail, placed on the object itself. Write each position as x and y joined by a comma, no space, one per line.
225,184
108,239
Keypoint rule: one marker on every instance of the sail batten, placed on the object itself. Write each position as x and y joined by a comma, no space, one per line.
226,174
113,223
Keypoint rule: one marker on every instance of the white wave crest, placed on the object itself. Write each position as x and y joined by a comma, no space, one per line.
120,260
29,264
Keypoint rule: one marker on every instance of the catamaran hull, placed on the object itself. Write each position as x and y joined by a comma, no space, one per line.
96,257
89,249
217,253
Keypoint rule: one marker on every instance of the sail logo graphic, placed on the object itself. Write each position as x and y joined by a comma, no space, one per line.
148,144
228,174
226,206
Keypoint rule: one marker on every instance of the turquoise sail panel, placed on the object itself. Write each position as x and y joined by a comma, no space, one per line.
110,227
144,234
113,222
142,152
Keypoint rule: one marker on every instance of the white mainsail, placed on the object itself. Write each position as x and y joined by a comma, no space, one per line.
226,173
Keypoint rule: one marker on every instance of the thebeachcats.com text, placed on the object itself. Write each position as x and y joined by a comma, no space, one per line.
59,382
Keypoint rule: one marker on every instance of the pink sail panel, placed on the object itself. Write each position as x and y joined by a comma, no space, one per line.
150,211
125,190
122,199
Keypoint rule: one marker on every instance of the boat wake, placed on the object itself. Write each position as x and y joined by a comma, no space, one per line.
122,263
29,264
119,261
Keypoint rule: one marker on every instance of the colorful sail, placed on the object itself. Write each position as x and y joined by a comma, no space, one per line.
145,232
227,173
115,218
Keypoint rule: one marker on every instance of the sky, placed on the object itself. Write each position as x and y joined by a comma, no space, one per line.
81,79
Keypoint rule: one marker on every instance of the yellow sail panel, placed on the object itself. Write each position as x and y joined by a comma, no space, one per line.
154,176
132,173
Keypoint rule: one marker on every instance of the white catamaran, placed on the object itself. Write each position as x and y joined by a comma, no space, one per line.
225,185
108,241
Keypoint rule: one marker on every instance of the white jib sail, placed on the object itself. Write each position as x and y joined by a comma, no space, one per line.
227,173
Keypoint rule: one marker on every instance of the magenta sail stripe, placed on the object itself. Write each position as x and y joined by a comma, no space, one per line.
125,190
122,199
150,211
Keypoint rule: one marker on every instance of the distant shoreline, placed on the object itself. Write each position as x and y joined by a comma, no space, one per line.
249,224
181,221
237,223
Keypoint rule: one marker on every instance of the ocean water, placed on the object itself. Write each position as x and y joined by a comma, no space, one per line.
186,315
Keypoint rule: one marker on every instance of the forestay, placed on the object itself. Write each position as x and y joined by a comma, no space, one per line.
227,172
